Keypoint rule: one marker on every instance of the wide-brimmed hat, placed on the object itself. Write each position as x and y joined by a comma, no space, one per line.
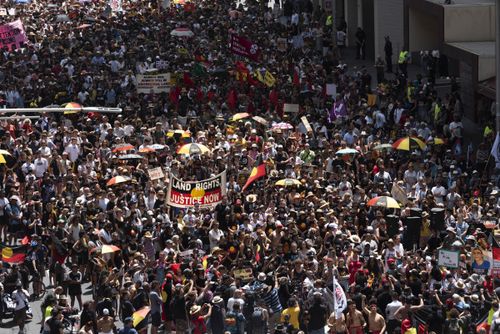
217,300
194,309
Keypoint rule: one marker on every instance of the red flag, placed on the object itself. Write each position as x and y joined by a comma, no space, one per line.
296,78
199,94
257,172
273,97
244,47
210,95
187,80
189,7
25,240
232,99
174,95
251,108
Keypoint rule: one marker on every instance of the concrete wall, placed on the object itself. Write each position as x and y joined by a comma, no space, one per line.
388,21
351,9
423,31
467,89
485,68
466,23
368,27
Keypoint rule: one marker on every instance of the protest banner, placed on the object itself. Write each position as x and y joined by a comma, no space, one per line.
155,173
185,194
289,107
161,64
447,258
12,35
245,274
156,83
244,47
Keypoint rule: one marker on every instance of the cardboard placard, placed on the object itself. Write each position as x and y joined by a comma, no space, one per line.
153,83
447,258
243,274
399,194
155,173
307,125
331,89
289,107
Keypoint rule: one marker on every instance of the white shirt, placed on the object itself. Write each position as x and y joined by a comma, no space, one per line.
214,237
73,151
21,298
391,309
41,166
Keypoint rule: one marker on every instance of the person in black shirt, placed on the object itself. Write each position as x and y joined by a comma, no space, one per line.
318,313
55,323
127,309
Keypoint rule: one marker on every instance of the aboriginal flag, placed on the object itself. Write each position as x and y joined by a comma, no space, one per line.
258,171
13,254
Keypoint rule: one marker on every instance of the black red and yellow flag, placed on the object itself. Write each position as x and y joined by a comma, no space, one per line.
258,171
13,254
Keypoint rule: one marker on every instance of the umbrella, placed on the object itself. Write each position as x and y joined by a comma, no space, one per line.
408,143
436,141
140,315
117,180
178,132
123,147
282,126
190,149
288,182
182,32
156,147
384,201
71,105
83,26
3,154
239,116
347,151
147,149
130,157
105,249
382,147
260,120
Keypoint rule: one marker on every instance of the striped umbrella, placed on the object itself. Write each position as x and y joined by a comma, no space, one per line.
347,151
190,149
384,201
117,180
239,116
409,143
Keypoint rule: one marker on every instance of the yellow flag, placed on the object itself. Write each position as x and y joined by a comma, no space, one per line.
269,79
259,77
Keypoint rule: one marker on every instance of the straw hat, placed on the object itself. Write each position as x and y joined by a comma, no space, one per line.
194,309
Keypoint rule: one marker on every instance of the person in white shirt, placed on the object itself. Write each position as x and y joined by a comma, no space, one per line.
21,297
73,150
41,165
439,193
235,299
215,235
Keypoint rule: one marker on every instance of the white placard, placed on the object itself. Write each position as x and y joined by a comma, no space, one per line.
153,83
288,107
447,258
331,89
156,173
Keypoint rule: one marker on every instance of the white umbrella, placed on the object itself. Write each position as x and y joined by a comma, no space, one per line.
182,32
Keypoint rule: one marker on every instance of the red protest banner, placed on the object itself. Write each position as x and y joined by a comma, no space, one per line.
244,47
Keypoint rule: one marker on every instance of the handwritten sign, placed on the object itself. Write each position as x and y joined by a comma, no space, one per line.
12,35
243,274
288,107
399,194
447,258
153,83
156,173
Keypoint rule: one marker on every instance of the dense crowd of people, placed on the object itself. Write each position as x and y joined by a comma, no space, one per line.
265,259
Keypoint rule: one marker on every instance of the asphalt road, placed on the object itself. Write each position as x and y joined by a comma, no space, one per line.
33,326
